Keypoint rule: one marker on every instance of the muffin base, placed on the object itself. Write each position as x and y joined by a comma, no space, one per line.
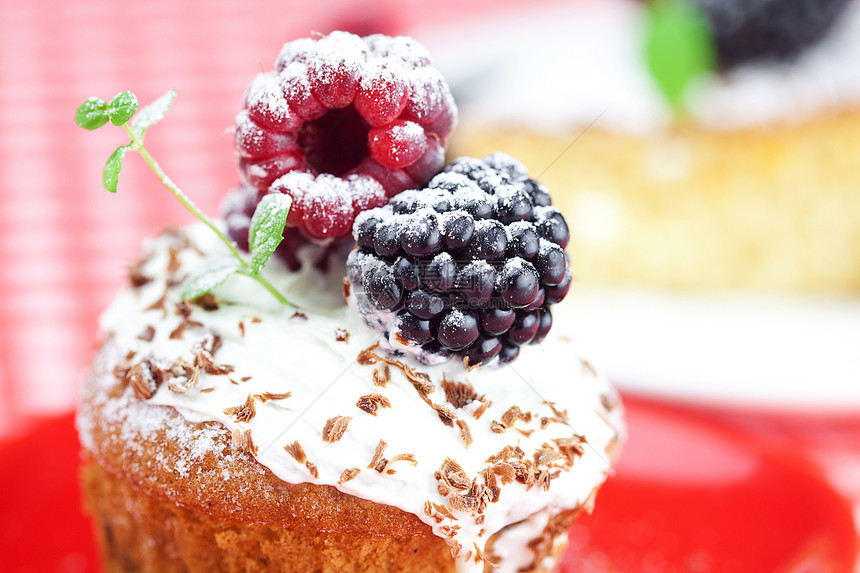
142,533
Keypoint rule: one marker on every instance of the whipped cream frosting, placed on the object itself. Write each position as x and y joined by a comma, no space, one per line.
559,65
445,443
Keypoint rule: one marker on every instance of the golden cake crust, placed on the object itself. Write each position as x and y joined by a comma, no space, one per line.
691,208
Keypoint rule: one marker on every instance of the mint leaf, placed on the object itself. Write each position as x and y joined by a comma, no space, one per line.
122,107
679,47
110,175
267,228
153,113
92,114
211,274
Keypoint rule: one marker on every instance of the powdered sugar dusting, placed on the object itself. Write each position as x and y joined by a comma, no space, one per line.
273,354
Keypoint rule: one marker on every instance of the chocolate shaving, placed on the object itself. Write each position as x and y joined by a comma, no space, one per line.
545,545
245,378
505,471
456,549
159,305
347,475
443,511
544,422
509,418
525,472
542,479
295,449
242,439
144,379
458,394
183,309
497,427
377,457
335,428
560,415
400,339
313,469
177,332
206,390
398,458
526,433
452,476
479,411
148,334
465,432
346,288
505,454
174,264
242,328
609,403
298,315
341,335
135,274
267,396
213,344
207,302
243,413
419,380
587,367
513,414
481,558
445,414
189,382
256,319
571,448
372,402
367,357
492,484
382,375
203,359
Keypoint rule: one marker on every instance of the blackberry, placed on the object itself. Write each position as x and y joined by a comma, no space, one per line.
342,124
468,266
746,30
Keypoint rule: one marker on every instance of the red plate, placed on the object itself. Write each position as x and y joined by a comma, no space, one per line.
693,493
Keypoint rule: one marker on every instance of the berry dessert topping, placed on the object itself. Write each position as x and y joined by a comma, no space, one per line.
767,29
238,207
343,124
470,265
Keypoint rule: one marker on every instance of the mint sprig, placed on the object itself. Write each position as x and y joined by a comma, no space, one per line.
267,224
679,47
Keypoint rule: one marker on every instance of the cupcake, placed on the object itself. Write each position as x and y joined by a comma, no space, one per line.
407,410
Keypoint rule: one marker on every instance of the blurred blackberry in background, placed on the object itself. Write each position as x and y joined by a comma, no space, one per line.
760,29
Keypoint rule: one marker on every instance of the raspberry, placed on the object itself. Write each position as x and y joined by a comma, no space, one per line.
468,266
238,207
361,119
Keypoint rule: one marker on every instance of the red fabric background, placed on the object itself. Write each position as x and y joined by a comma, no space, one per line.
63,239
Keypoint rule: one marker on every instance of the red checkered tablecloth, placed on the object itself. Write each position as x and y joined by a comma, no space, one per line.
64,240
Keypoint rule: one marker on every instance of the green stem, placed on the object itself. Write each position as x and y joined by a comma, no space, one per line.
269,287
137,144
